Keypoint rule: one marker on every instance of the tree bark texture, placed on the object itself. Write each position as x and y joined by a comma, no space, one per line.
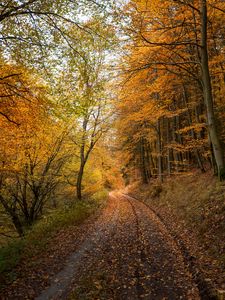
207,89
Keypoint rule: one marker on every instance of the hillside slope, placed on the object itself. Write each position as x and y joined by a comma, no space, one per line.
193,209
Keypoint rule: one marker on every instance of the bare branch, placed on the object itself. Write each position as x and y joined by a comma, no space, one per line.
9,119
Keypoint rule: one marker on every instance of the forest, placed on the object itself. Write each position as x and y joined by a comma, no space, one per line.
112,136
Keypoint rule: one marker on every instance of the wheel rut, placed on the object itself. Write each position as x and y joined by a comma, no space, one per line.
60,283
162,273
128,256
141,254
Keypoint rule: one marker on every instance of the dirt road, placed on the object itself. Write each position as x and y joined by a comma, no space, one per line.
127,255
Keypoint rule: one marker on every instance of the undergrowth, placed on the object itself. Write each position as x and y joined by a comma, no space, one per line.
36,239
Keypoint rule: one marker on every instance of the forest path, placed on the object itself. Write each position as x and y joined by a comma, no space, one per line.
129,255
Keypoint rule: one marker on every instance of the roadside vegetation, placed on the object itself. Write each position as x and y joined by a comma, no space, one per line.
44,233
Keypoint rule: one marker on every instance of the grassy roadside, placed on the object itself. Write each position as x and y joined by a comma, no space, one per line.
193,208
43,233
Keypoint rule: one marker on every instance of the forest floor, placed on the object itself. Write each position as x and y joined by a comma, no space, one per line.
192,208
124,253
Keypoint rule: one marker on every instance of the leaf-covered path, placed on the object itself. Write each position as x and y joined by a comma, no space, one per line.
129,255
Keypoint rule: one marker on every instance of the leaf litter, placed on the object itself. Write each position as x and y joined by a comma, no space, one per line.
125,253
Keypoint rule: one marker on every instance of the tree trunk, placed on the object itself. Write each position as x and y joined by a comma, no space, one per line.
79,181
17,224
148,153
13,215
143,161
168,148
159,142
82,160
207,89
175,152
193,135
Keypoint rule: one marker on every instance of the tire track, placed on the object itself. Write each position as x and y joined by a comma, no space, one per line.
150,267
139,287
205,290
60,283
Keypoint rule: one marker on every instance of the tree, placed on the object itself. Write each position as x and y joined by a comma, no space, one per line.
168,41
31,157
86,99
35,33
208,96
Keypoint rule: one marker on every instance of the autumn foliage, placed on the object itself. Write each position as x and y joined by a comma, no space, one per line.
171,107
